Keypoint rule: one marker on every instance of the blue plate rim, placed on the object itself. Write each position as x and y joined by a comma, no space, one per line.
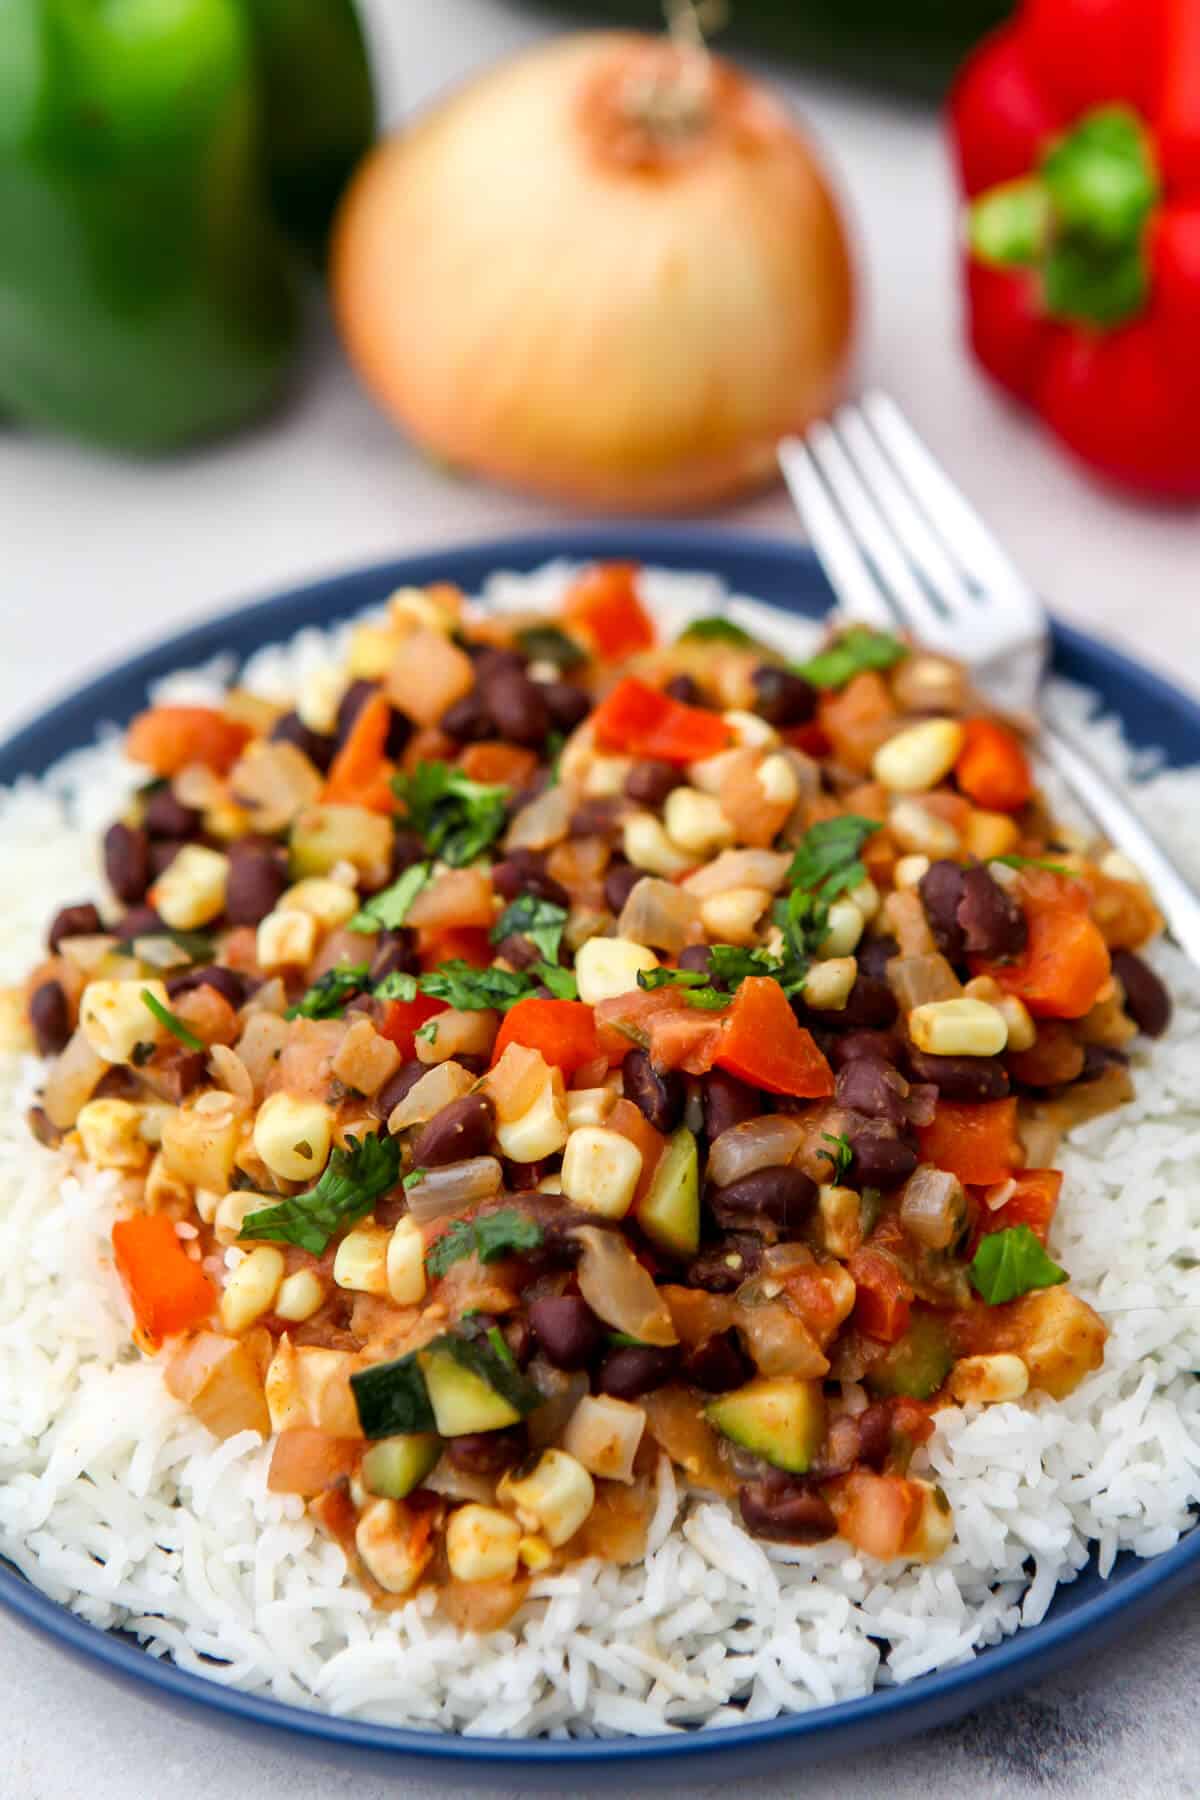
889,1711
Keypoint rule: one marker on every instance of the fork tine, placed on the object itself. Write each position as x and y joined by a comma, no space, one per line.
858,593
920,542
872,530
967,538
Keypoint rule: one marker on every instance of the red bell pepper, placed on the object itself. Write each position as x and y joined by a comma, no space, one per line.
883,1305
763,1043
1077,134
564,1031
603,606
167,1290
992,768
975,1140
1065,962
360,774
404,1018
639,720
1033,1202
438,944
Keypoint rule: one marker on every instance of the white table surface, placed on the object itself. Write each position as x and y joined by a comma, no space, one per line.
98,556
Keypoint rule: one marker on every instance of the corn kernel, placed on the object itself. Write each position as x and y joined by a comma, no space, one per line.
371,651
415,609
251,1288
695,823
1021,1029
845,927
827,985
541,1129
318,698
988,1380
286,940
589,1106
989,834
330,903
293,1136
608,967
732,917
600,1171
115,1018
750,732
482,1544
866,897
553,1498
934,1531
108,1131
535,1554
191,891
360,1264
384,1540
648,847
300,1296
777,779
605,776
920,831
163,1189
406,1281
910,871
839,1211
961,1027
917,758
709,773
233,1209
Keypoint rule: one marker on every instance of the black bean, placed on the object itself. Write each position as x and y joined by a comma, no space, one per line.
695,957
961,1077
567,1329
880,1160
139,921
874,954
873,1088
127,862
595,818
717,1364
728,1101
461,1129
1146,999
468,720
117,1083
316,745
512,876
781,697
781,1196
636,1369
176,1072
257,877
659,1098
396,1088
395,954
884,1046
523,1178
683,688
792,1514
517,950
74,921
649,783
567,704
1097,1059
407,849
517,705
870,1005
163,852
992,922
493,662
227,982
488,1452
167,817
50,1016
619,883
874,1434
941,891
725,1265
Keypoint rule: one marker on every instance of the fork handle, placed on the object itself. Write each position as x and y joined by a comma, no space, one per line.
1177,899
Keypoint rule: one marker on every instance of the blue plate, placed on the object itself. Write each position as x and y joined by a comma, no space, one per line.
1082,1616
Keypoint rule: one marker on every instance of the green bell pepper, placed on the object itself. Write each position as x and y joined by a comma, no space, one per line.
167,167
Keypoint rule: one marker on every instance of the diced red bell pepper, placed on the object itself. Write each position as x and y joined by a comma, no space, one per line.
167,1290
168,738
763,1043
1065,962
564,1031
404,1018
497,764
360,774
603,606
992,768
1034,1203
811,739
975,1140
883,1306
438,944
639,720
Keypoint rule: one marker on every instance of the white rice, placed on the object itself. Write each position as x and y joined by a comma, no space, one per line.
117,1503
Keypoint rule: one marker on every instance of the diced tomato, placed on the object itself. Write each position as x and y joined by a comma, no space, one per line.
811,739
360,774
168,738
498,764
167,1290
674,1034
403,1018
639,720
454,943
875,1513
1034,1203
992,768
564,1031
603,606
632,1123
858,719
764,1044
977,1141
306,1461
1065,962
912,1419
883,1307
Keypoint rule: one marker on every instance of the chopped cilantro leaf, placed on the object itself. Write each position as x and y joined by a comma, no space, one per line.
387,911
714,629
413,1177
854,651
475,990
546,643
490,1238
842,1154
327,997
175,1026
696,986
1010,1263
561,982
428,1031
827,859
396,986
353,1180
541,921
495,1338
1035,862
456,817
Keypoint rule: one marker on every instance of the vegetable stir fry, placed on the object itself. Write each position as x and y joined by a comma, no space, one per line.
544,1048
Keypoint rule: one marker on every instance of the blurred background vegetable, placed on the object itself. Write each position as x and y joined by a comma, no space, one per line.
1077,133
609,270
165,169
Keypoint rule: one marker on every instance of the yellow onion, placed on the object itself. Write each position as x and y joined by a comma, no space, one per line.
610,270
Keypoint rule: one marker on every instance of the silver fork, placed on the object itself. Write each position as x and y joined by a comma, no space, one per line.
901,545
